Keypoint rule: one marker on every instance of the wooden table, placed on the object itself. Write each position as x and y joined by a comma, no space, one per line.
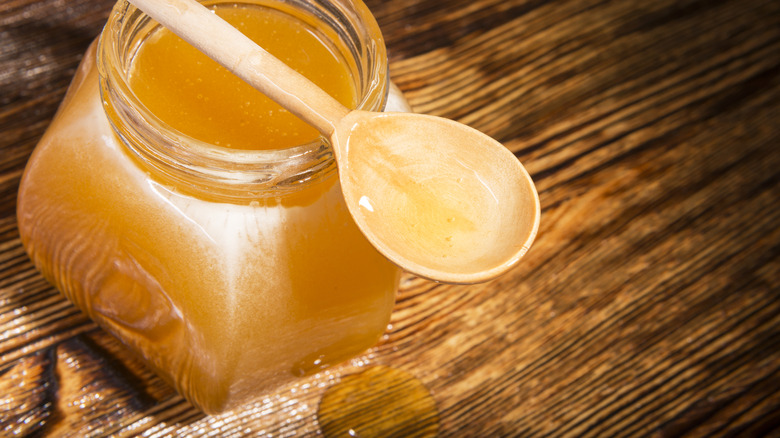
649,304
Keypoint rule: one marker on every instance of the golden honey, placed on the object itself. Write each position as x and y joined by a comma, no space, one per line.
210,238
193,94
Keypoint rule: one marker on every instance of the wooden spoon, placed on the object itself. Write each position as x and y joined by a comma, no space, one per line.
436,197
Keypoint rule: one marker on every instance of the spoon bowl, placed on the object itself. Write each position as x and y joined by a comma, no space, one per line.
434,196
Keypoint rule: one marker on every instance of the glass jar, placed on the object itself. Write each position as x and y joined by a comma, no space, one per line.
229,271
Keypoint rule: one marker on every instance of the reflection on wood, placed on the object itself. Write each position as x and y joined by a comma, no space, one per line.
27,395
378,401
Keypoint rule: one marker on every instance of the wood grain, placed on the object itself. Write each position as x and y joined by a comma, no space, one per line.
648,306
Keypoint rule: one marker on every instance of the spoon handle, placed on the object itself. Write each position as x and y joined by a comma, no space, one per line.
225,44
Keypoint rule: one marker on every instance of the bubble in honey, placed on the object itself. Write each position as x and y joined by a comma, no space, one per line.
378,402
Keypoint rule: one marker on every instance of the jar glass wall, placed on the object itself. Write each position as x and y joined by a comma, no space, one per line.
229,271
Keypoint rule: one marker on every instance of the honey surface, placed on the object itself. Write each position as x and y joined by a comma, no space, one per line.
198,97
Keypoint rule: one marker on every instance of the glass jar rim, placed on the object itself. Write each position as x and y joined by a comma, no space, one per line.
203,167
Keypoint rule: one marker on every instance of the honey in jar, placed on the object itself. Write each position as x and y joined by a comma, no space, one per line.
198,222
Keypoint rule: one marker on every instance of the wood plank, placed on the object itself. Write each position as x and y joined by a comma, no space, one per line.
648,305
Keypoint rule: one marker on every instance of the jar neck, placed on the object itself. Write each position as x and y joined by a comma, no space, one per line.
204,169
